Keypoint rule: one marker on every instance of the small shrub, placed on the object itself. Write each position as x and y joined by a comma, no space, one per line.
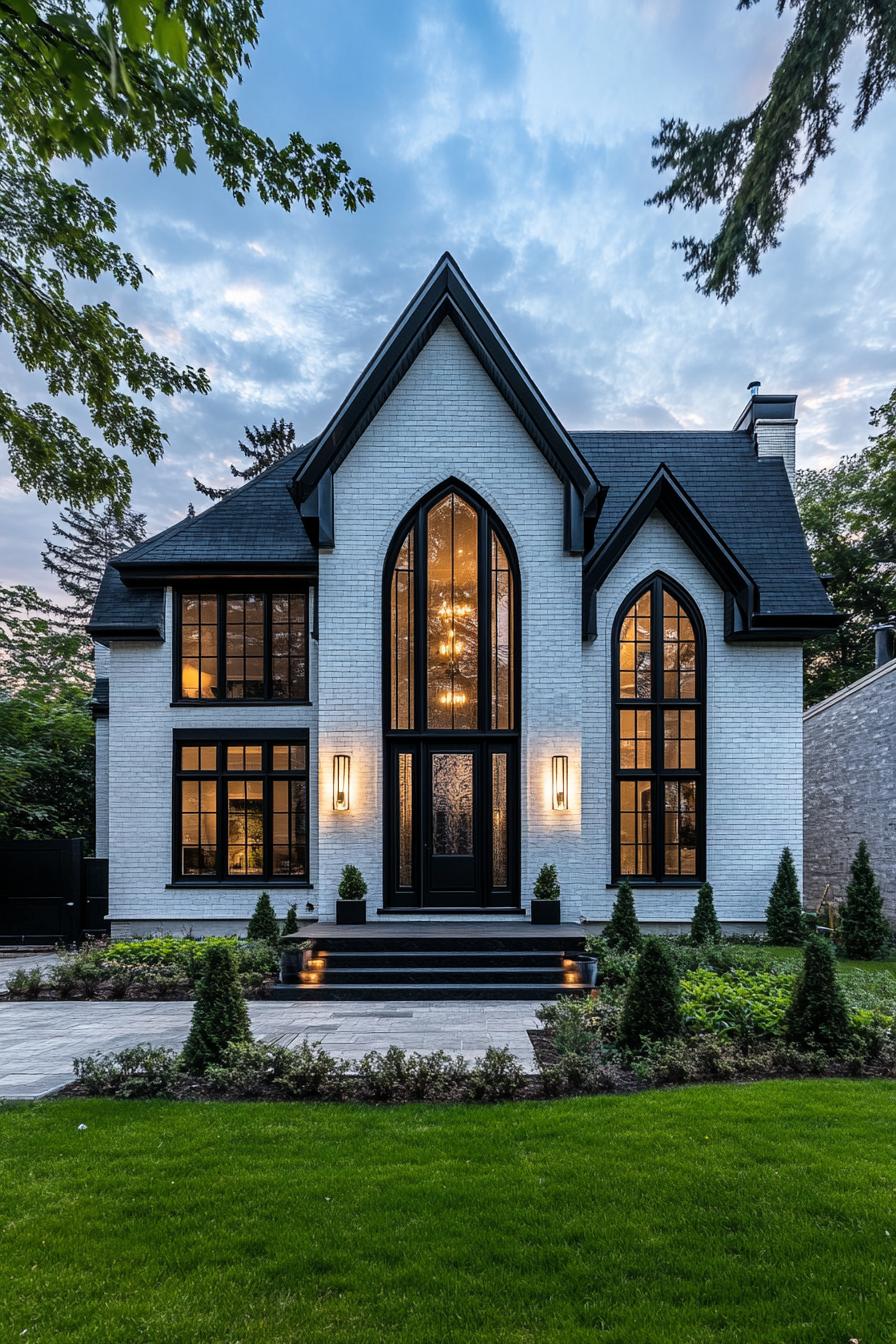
547,884
571,1074
256,1068
497,1076
291,922
139,1071
434,1077
652,1009
263,924
784,912
63,978
352,886
616,966
220,1017
382,1076
863,927
25,983
701,1059
623,930
817,1015
705,926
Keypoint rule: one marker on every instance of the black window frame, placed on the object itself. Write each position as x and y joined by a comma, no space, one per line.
221,591
221,739
659,773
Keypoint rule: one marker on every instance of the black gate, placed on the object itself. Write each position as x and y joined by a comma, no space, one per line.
50,893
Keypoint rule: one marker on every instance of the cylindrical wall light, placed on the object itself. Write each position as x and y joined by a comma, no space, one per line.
560,778
342,769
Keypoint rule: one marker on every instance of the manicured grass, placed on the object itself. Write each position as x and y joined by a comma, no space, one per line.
771,953
758,1213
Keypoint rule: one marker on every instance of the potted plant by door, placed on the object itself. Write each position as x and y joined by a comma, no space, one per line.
545,904
291,947
351,907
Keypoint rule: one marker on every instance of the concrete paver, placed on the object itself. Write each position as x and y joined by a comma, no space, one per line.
39,1039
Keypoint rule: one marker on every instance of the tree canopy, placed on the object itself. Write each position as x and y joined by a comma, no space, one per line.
85,543
752,165
265,445
82,81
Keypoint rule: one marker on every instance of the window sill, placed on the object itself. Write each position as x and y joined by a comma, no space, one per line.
211,883
239,704
680,883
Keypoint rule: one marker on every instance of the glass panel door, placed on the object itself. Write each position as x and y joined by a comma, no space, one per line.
452,843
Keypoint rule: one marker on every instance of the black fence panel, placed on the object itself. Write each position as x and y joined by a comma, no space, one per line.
49,893
95,898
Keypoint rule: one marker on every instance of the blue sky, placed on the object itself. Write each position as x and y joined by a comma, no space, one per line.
517,135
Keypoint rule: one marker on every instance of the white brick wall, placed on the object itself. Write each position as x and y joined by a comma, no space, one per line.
753,739
445,419
141,723
777,438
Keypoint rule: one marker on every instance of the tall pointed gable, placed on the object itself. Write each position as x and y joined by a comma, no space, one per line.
446,294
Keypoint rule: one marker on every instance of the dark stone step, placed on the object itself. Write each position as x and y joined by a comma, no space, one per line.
447,990
424,975
424,958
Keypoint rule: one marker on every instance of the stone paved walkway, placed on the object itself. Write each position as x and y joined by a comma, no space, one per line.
15,961
39,1040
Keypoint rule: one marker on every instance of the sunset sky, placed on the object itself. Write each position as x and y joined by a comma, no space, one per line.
516,135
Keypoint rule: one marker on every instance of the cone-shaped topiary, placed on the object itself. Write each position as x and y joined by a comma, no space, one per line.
352,886
264,924
291,922
547,884
623,930
705,926
652,1008
784,912
863,925
817,1014
220,1017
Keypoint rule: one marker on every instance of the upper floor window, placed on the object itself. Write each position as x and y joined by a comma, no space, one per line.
658,737
452,621
243,645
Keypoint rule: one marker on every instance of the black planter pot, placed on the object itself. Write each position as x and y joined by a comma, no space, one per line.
544,912
291,961
351,912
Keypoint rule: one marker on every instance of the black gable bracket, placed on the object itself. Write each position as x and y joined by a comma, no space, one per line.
446,294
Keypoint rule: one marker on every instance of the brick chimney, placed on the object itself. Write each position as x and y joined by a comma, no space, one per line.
772,422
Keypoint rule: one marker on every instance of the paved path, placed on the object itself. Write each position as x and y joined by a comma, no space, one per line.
16,961
38,1040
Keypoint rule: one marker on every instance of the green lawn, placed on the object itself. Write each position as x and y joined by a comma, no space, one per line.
764,954
755,1213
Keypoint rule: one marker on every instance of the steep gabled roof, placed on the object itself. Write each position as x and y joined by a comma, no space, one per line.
445,293
716,490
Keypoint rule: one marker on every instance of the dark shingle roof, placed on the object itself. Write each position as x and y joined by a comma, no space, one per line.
746,499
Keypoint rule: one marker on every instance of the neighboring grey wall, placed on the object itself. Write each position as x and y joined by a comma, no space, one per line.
101,754
754,767
141,723
446,419
849,763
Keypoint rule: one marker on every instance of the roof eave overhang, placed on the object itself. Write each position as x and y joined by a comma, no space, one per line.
175,571
104,632
446,294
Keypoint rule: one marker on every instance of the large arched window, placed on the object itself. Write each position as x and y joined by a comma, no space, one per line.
659,675
451,705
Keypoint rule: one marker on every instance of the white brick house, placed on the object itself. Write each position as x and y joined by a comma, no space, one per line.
450,641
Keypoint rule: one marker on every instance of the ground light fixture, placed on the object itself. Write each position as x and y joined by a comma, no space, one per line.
342,769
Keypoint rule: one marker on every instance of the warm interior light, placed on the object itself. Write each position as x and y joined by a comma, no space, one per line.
195,685
560,778
341,783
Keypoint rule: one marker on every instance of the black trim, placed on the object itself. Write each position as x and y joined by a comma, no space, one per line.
445,294
150,575
219,738
657,583
221,591
415,740
149,634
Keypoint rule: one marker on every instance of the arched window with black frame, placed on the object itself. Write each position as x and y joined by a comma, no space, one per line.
659,737
451,628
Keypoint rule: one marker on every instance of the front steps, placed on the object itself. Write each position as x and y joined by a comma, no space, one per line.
440,962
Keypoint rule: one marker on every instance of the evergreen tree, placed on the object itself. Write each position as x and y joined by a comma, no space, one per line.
547,884
266,445
652,1008
220,1016
623,930
705,927
291,922
88,540
263,925
784,912
817,1014
863,925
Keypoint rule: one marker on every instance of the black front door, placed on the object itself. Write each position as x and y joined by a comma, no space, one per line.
452,843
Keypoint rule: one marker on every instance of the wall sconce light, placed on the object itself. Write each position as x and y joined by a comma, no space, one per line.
342,766
560,777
